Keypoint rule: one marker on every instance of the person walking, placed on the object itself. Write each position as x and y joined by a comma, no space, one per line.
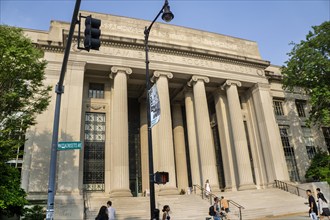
166,214
103,213
312,205
207,188
111,211
216,208
323,205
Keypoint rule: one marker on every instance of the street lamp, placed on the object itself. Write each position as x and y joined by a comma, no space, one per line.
167,16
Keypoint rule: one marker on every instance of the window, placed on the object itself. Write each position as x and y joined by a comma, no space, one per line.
326,134
94,151
278,107
300,105
96,90
309,142
289,154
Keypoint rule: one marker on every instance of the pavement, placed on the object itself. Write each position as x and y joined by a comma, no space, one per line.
298,216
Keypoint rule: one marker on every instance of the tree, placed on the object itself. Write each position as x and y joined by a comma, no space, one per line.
34,213
319,169
22,97
308,68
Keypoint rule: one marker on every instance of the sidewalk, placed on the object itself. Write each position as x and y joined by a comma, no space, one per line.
298,216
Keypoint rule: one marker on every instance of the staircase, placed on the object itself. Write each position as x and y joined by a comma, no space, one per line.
258,204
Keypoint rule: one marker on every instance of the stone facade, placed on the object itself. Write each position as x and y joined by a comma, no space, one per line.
217,115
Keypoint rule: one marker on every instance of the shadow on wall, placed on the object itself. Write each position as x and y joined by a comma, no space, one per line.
67,175
40,162
297,137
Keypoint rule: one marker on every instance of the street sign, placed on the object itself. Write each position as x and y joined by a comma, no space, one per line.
69,145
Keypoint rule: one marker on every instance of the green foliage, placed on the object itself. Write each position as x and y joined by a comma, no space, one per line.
12,197
22,97
308,68
34,213
319,169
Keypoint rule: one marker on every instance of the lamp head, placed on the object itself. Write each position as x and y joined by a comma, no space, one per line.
167,14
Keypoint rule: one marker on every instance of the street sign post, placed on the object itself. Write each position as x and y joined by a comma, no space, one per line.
72,145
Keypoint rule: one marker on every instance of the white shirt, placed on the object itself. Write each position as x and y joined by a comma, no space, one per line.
111,213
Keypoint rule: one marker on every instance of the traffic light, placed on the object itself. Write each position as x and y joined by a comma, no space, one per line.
161,177
92,33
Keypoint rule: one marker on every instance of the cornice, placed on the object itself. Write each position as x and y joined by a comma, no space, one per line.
271,76
156,47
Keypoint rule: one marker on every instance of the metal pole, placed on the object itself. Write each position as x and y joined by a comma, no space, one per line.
150,150
59,90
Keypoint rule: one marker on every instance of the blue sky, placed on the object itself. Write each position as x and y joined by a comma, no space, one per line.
273,24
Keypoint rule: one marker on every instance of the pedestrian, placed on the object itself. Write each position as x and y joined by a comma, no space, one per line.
312,205
323,205
216,208
224,204
207,188
111,211
103,213
166,214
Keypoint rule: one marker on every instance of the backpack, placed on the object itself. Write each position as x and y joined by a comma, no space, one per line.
211,211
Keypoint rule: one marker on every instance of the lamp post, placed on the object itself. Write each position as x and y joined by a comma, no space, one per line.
167,16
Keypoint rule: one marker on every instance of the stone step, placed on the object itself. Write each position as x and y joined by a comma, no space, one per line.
256,203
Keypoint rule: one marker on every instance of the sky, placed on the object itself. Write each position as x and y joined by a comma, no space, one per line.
273,24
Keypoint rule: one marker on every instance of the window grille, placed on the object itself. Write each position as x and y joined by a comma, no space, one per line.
278,107
96,90
309,142
94,151
289,154
300,105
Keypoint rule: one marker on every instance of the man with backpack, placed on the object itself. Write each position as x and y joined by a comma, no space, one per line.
214,210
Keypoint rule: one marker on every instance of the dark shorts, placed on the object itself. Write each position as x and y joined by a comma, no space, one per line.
325,212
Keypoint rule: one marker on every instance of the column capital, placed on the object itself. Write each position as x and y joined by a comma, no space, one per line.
119,69
158,74
229,83
196,78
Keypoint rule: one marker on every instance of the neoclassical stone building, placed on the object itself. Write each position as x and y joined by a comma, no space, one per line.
224,115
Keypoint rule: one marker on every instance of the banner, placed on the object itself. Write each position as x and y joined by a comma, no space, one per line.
154,106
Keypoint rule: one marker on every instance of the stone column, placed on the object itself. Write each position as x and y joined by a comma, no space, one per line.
144,145
192,138
221,108
164,133
68,198
269,134
245,179
180,147
204,134
119,133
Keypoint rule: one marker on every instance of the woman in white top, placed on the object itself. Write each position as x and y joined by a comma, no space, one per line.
207,188
323,206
